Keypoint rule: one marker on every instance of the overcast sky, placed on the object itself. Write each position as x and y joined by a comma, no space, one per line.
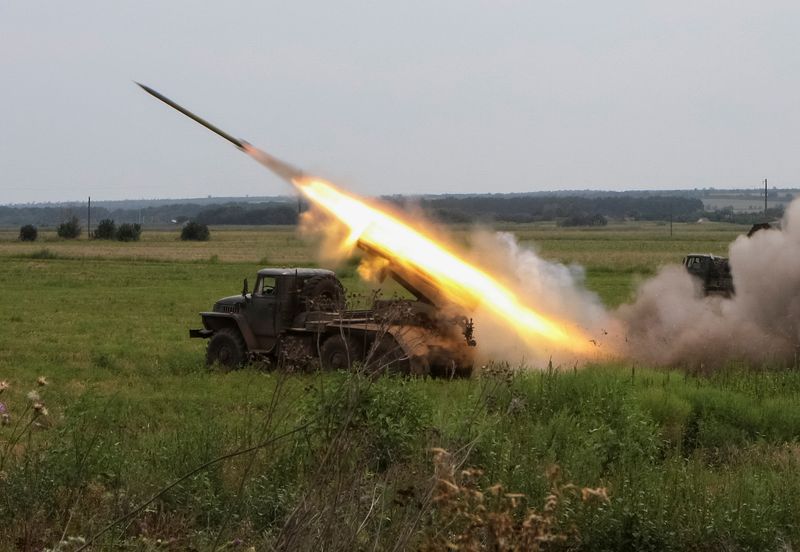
401,97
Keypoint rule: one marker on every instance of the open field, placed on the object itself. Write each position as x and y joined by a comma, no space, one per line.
614,256
688,462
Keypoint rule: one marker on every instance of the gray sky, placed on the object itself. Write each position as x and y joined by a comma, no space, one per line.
403,97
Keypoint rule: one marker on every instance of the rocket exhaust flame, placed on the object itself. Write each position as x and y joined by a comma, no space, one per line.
460,281
463,283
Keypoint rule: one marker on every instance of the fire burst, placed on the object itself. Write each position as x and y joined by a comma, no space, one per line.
462,282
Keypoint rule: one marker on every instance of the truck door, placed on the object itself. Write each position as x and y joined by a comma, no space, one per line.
262,310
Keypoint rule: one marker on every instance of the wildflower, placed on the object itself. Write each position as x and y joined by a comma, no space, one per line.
42,381
600,493
516,406
551,503
40,409
2,408
514,498
33,396
3,385
450,485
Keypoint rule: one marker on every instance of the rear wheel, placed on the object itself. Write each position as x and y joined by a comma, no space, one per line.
227,348
339,352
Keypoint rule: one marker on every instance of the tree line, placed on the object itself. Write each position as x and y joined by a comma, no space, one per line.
227,213
568,210
565,210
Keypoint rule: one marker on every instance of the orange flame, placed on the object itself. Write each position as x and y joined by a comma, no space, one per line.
460,281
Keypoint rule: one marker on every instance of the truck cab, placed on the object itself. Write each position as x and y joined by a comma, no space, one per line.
253,321
714,272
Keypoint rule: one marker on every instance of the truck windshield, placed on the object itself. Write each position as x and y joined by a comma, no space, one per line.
265,286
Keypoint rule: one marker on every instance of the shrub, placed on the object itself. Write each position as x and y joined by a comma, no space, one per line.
105,230
129,232
195,231
386,420
28,233
70,229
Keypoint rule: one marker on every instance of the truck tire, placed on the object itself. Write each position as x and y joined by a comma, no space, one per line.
339,352
322,293
227,348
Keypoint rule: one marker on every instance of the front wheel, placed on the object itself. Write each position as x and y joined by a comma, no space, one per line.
227,348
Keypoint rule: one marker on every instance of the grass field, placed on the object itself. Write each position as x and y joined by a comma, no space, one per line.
688,462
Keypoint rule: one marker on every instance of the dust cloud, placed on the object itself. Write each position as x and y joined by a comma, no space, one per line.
671,323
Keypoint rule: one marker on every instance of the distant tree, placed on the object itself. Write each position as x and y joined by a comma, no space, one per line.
195,231
128,232
452,216
244,214
105,230
69,229
584,220
28,233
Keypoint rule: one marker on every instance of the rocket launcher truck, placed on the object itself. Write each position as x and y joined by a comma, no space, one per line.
294,316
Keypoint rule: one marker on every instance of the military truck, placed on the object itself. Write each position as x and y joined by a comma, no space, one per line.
714,273
297,316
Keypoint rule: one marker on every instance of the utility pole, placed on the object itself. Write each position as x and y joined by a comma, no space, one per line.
765,197
89,219
671,205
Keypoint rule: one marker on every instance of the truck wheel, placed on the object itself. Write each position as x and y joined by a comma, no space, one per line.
322,293
339,353
387,357
227,348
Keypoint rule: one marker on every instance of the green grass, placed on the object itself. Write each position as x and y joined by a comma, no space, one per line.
690,462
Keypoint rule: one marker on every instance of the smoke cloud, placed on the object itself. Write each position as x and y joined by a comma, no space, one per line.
671,323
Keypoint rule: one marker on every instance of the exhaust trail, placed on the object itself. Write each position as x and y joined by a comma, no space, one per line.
282,169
